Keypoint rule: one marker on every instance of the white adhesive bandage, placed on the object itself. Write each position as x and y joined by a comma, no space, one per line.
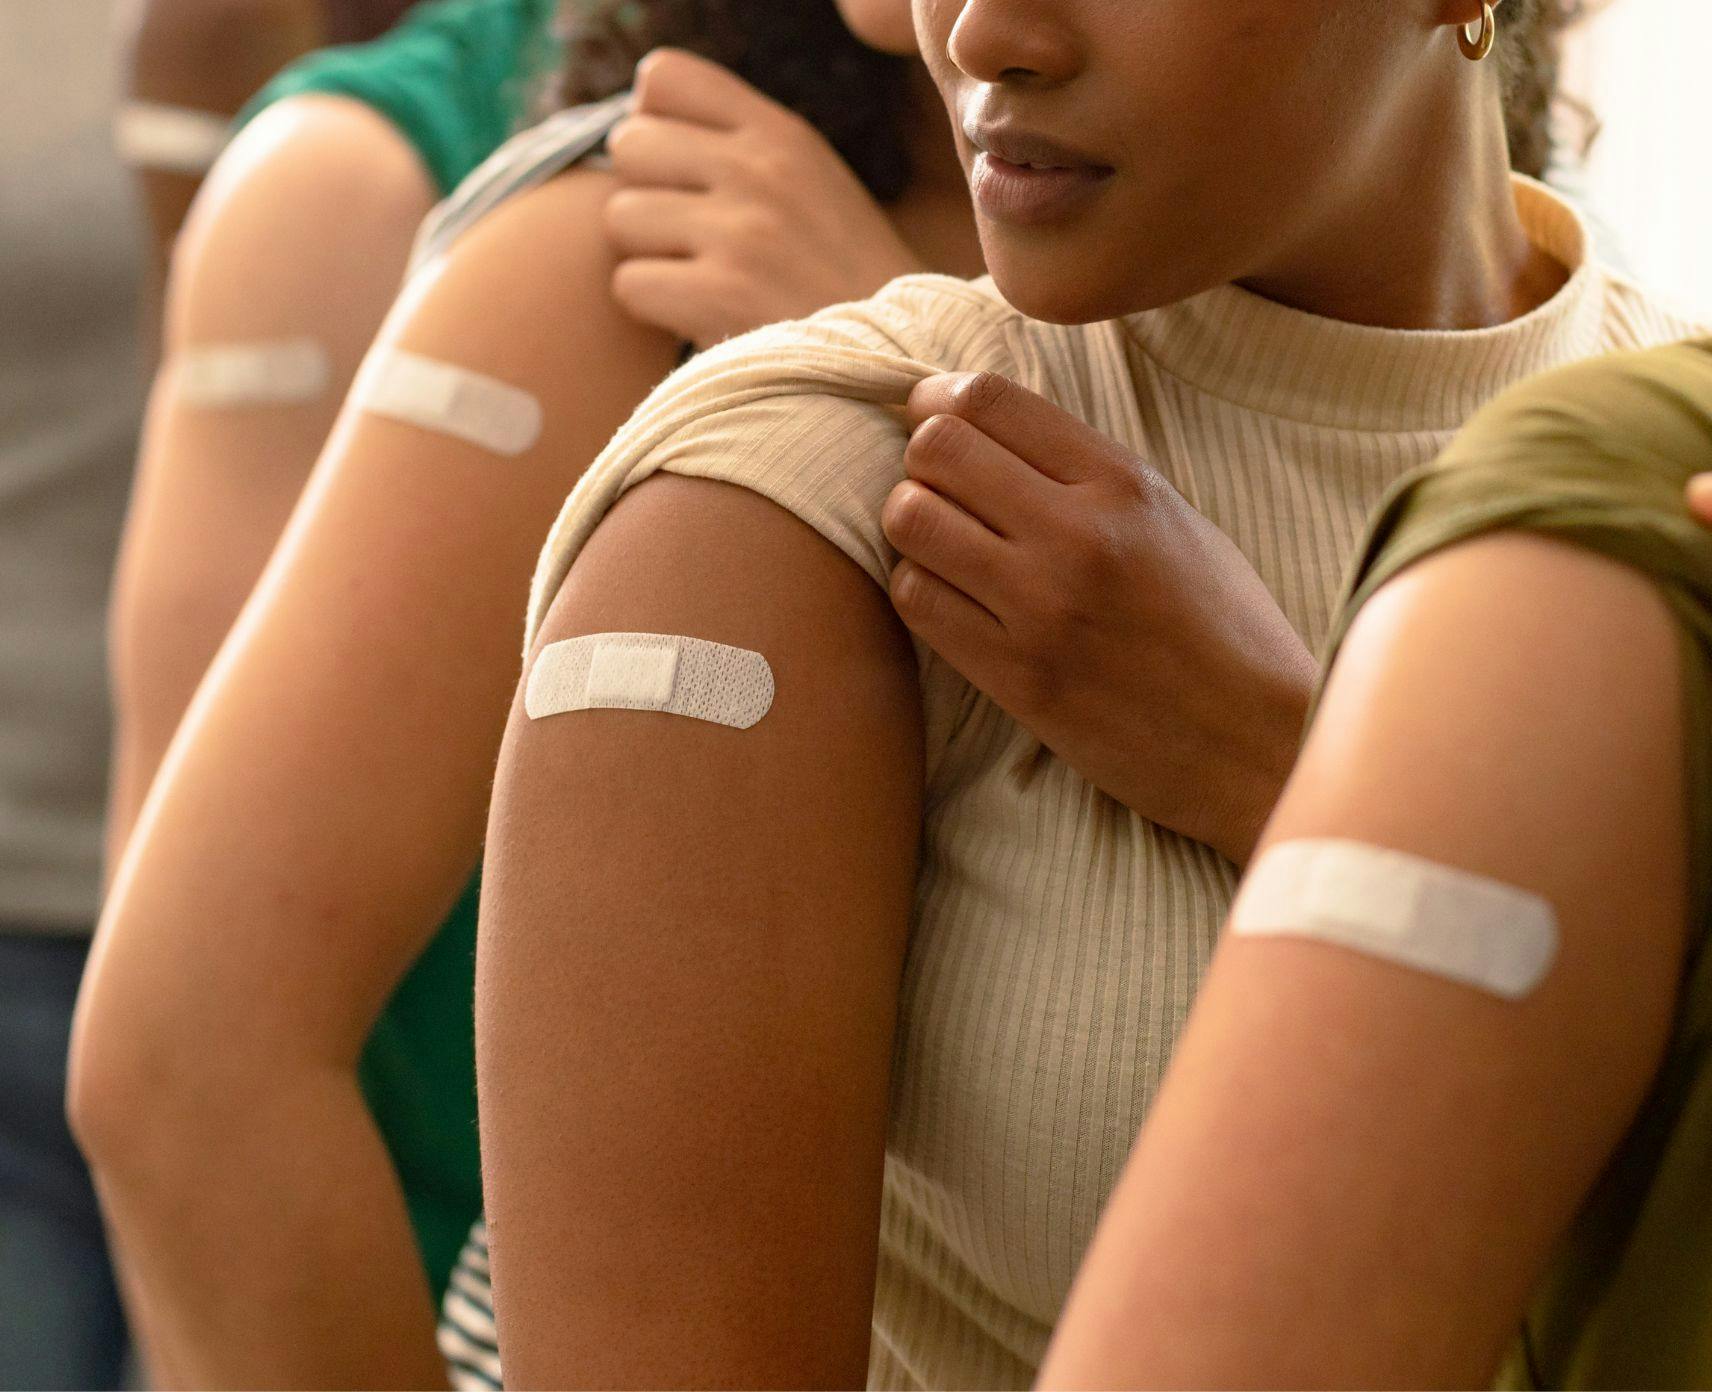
450,400
651,671
283,372
1399,907
173,139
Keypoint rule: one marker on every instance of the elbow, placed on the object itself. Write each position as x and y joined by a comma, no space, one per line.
136,1094
112,1095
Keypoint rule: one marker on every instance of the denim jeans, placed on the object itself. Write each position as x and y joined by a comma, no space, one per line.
60,1320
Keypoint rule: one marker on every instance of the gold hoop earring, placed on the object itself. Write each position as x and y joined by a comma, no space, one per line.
1476,49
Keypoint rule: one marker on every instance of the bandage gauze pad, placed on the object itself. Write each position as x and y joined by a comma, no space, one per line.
450,400
258,372
1435,918
654,672
174,139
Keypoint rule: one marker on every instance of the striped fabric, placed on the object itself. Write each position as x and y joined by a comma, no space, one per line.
523,162
1058,939
467,1339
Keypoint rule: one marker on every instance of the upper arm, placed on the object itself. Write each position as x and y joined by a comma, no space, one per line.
692,940
302,234
209,56
328,786
1356,1172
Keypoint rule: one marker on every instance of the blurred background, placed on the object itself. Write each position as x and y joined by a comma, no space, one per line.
1642,72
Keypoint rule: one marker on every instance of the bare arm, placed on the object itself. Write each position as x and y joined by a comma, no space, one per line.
209,56
303,234
1356,1172
317,814
691,947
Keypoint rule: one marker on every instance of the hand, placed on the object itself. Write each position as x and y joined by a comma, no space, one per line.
734,211
1700,497
1068,580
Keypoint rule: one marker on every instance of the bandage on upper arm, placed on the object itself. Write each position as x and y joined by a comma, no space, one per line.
1401,908
654,672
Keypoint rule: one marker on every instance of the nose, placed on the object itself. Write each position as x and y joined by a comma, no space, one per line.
1015,41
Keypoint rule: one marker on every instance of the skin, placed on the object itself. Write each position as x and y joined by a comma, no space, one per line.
326,798
206,55
265,256
1216,675
1097,608
1700,497
1294,1168
1297,210
213,55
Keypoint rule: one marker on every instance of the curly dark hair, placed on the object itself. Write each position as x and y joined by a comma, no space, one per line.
1530,34
799,52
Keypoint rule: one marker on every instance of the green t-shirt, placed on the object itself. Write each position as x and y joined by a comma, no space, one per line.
1596,455
454,76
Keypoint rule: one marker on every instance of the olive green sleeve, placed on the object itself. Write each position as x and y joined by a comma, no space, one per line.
1597,455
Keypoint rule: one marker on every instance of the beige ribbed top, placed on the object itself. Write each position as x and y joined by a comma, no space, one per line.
1059,938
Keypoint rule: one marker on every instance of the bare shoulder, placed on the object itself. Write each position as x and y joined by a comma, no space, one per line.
316,193
1528,693
527,291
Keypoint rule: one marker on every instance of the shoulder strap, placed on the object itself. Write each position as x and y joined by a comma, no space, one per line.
524,162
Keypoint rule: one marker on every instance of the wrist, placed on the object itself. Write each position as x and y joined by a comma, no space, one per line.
1253,787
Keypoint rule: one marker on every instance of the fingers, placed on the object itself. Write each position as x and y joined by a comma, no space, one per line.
673,83
1045,436
1700,497
946,619
670,294
982,477
663,153
942,538
655,222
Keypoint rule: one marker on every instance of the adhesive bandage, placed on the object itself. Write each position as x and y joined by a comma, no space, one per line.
173,139
481,411
651,671
1401,908
283,372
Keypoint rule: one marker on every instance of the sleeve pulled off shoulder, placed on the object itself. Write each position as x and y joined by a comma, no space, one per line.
1595,454
807,414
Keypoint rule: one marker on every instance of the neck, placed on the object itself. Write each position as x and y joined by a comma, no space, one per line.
1431,241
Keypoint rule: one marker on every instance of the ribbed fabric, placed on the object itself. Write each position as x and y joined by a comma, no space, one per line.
1058,938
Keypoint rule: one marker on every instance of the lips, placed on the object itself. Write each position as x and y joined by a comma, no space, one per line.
1027,149
1029,179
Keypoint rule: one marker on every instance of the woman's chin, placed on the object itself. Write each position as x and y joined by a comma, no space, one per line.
1041,288
1059,286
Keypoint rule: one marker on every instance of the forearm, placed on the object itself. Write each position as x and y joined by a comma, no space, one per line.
350,1308
1259,765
